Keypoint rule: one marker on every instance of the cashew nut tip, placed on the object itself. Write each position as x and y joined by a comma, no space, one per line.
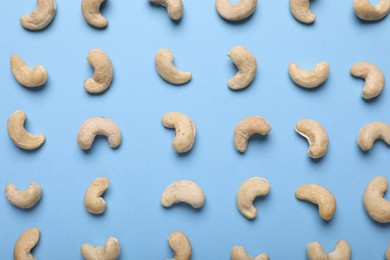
91,13
372,132
183,191
98,126
366,11
185,131
309,78
175,8
248,127
246,64
301,11
377,207
26,76
316,252
387,254
375,80
93,200
239,253
318,195
167,70
19,135
237,12
103,72
24,199
25,243
110,251
180,245
316,135
41,16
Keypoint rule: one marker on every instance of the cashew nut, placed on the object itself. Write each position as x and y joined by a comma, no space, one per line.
366,11
246,64
175,8
377,207
237,12
166,69
41,16
316,135
372,132
375,80
185,131
104,72
309,78
316,252
183,191
180,245
19,135
239,253
91,13
26,76
24,199
98,126
110,251
248,127
301,11
25,243
93,200
388,253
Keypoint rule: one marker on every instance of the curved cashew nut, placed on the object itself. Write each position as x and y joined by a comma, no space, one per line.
372,132
180,245
104,72
248,127
25,243
246,64
301,11
175,8
183,191
166,69
98,126
93,200
316,135
19,135
377,207
243,9
366,11
316,252
41,16
375,80
110,251
24,199
239,253
26,76
387,253
309,78
185,131
91,13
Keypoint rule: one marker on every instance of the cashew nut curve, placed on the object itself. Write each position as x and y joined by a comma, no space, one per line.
24,199
104,72
185,131
98,126
316,252
25,243
301,11
366,11
375,80
239,253
387,254
316,135
237,12
372,132
309,78
246,64
19,135
91,13
110,251
377,207
248,127
41,16
26,76
93,200
180,245
166,69
175,8
183,191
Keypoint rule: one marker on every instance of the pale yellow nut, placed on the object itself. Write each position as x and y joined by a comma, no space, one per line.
235,12
342,251
24,199
309,78
175,8
377,207
26,76
167,70
25,243
248,127
375,80
372,132
103,72
301,11
93,200
316,135
41,16
91,13
366,11
246,65
110,251
180,245
239,253
183,192
185,131
387,254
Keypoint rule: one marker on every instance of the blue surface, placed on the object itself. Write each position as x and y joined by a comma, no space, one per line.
145,163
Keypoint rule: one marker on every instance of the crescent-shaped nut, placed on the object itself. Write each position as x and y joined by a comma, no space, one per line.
99,126
239,253
104,72
248,127
366,11
316,135
309,78
166,69
24,199
185,131
25,243
316,252
387,254
375,80
175,8
183,191
318,195
377,207
180,245
301,11
41,16
91,12
26,76
19,135
237,12
247,67
110,251
372,132
93,200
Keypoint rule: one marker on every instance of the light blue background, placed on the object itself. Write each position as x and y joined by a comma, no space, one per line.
145,163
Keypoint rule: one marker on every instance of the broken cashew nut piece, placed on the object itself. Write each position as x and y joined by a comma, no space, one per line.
185,131
183,191
93,200
104,72
91,12
246,64
301,11
309,78
175,8
377,207
25,243
180,245
375,80
316,252
24,199
237,12
26,76
110,251
41,16
316,135
372,132
248,127
167,70
366,11
239,253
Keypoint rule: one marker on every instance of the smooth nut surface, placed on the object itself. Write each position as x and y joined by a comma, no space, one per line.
377,207
103,72
375,80
248,127
372,132
91,13
24,199
301,11
246,65
25,243
41,16
183,192
342,251
167,70
185,131
110,251
180,245
366,11
26,76
93,200
239,253
237,12
175,8
309,78
316,135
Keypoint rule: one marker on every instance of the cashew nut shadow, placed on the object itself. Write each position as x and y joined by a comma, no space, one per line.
167,70
368,12
316,135
239,253
91,13
376,206
180,245
372,132
375,80
26,76
103,72
246,65
248,127
24,199
93,200
41,16
110,251
183,192
25,243
342,251
237,12
175,8
309,78
185,131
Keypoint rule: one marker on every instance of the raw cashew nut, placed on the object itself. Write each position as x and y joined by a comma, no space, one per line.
41,16
388,253
25,243
180,245
316,135
372,132
301,11
246,64
318,195
237,12
185,131
110,251
248,127
183,191
26,76
93,200
98,126
104,72
375,80
366,11
19,135
24,199
175,8
91,13
166,69
239,253
377,207
316,252
309,78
